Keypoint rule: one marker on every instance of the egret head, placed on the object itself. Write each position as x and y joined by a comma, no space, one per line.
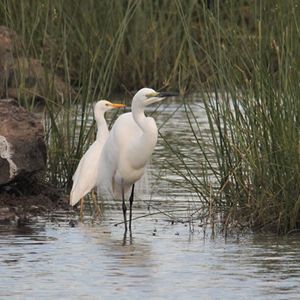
146,96
104,105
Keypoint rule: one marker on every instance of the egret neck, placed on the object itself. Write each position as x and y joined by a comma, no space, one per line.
144,144
102,132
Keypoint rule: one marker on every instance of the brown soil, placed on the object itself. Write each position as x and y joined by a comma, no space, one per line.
22,201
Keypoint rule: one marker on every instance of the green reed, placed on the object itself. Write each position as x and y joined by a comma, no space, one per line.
242,56
88,50
253,107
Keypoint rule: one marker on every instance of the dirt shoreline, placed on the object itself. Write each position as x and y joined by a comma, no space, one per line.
17,205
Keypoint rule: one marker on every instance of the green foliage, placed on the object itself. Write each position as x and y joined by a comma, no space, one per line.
243,56
253,109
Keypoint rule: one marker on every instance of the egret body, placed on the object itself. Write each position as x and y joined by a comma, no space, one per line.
128,148
84,178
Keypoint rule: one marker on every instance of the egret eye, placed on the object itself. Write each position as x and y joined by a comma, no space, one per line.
106,104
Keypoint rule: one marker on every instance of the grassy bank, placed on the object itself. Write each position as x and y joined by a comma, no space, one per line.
242,56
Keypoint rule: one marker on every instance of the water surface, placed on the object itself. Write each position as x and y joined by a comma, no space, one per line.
50,258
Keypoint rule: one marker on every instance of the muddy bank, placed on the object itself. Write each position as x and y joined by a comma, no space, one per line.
23,163
20,202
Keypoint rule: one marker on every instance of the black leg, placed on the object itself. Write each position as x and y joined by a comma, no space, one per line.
130,206
124,238
124,208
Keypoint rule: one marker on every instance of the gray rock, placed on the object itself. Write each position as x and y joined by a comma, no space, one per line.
22,147
25,77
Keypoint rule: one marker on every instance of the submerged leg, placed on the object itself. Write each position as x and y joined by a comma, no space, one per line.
81,208
125,238
124,207
130,206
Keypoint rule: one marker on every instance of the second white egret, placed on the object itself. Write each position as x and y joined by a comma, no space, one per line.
84,178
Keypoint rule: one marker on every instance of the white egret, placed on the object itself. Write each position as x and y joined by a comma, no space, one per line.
128,148
84,178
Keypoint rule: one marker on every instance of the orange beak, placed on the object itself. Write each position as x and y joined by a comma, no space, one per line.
117,105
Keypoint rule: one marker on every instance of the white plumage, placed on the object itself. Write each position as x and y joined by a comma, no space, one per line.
85,176
128,148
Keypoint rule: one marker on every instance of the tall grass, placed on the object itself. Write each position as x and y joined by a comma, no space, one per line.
97,48
253,110
242,56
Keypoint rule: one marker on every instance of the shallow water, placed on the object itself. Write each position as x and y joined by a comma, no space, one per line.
50,259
